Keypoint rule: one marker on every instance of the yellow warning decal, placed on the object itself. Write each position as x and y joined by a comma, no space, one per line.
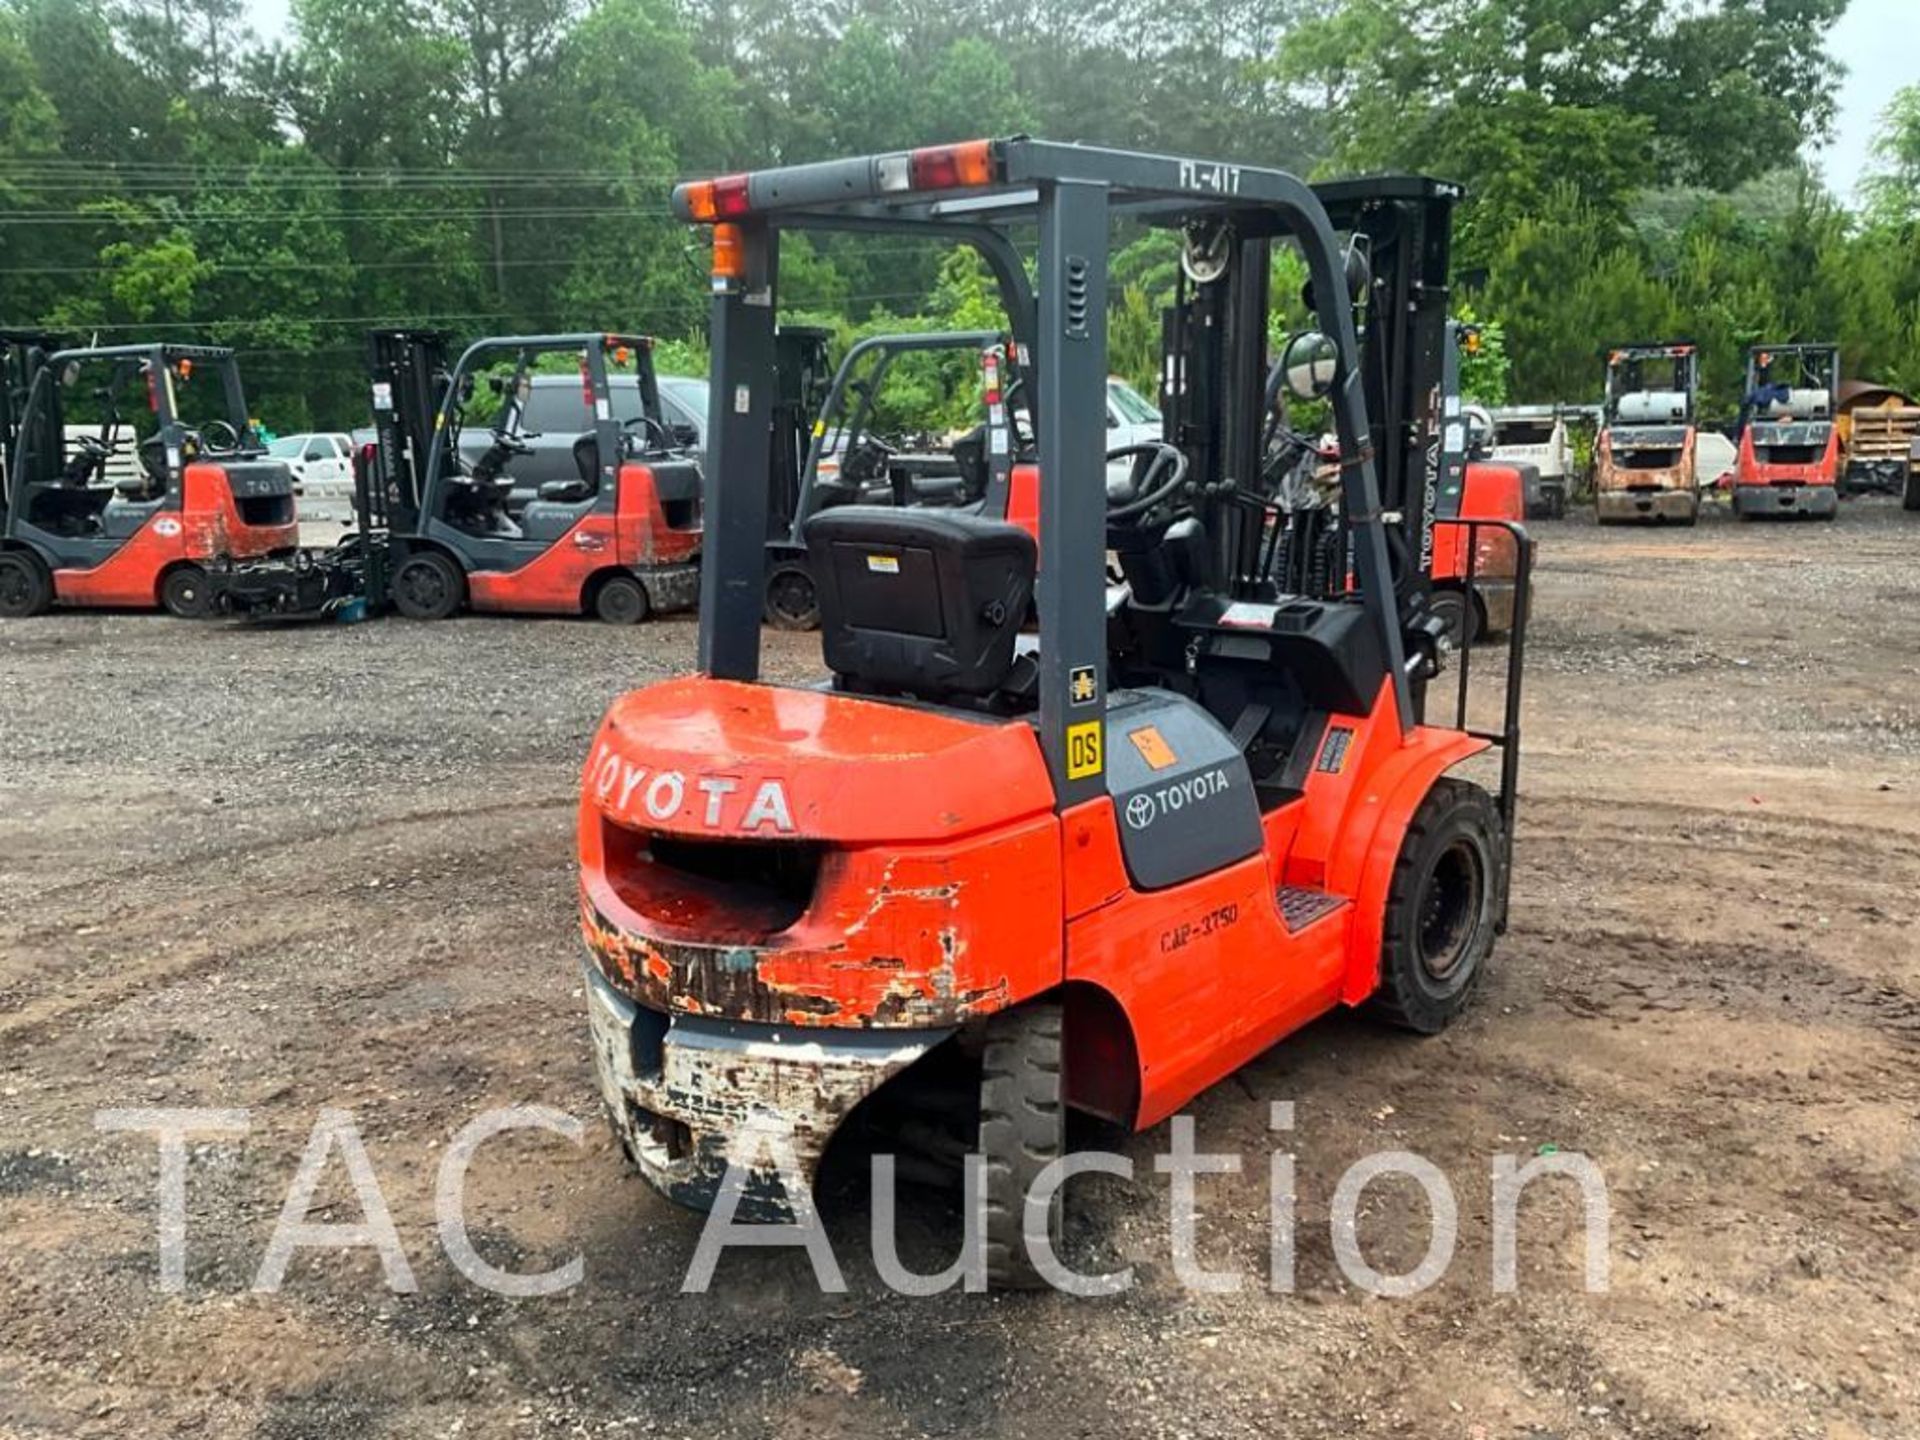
884,564
819,428
1084,750
1153,747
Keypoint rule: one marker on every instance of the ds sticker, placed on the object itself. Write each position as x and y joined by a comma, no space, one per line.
884,564
1084,750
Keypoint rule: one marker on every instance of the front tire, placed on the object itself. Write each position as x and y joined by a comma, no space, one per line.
184,592
25,586
1023,1129
428,586
1442,908
1910,496
621,600
1459,613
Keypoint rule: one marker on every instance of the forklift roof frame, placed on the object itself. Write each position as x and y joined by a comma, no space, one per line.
1675,350
1071,193
160,356
594,346
1798,347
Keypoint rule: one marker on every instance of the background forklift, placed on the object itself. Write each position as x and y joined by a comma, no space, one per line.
849,461
1789,445
1103,870
1474,593
1644,456
203,490
434,533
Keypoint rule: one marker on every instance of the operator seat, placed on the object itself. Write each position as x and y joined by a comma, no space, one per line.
924,603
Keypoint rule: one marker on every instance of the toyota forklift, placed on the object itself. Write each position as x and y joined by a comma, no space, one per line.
442,526
1789,461
1644,456
201,493
850,458
1102,867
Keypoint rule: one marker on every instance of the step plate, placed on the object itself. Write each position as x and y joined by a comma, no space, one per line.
1300,907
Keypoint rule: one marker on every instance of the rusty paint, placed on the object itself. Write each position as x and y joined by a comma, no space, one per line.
679,1124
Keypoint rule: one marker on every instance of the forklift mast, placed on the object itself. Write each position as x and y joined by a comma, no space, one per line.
1402,227
410,373
1399,230
802,373
22,354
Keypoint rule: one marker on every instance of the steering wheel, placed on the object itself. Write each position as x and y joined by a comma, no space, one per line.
1282,449
866,459
90,454
652,430
211,432
1149,492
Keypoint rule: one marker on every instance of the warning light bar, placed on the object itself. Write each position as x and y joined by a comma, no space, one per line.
952,167
709,201
969,165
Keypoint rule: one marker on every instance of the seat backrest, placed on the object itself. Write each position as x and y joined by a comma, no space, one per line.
925,603
586,458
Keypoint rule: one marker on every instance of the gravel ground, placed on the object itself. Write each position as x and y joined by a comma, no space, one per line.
286,869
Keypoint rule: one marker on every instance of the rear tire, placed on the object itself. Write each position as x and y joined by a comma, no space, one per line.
792,601
428,586
621,600
1910,497
1023,1129
1442,908
25,586
183,592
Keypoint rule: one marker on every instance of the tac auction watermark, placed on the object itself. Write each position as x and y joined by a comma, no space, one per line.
763,1152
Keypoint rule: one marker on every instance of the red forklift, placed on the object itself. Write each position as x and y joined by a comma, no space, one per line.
442,526
850,459
1103,867
1789,461
199,489
1473,568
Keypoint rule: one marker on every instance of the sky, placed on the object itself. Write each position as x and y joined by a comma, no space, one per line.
1874,40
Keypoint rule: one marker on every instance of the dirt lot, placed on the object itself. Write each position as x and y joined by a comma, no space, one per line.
286,870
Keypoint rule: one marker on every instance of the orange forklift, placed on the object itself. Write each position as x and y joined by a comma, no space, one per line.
196,488
443,526
1789,461
1644,455
1096,869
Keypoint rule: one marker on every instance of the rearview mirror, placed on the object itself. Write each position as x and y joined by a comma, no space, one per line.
1309,363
